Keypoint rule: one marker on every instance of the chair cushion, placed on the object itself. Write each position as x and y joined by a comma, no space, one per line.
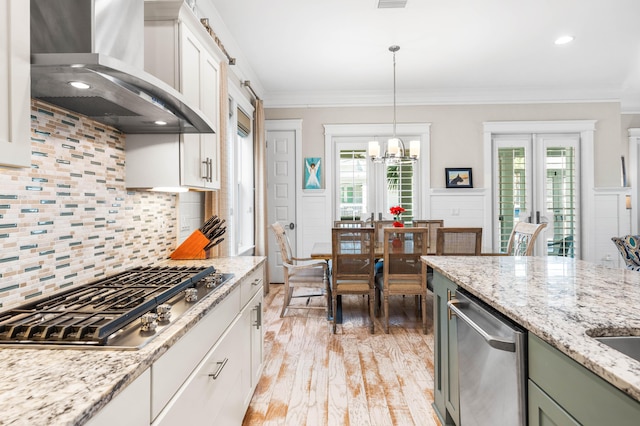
629,249
306,275
632,244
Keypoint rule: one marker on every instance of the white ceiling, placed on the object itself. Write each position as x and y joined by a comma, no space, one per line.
335,52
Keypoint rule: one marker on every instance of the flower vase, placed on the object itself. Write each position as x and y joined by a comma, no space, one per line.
396,243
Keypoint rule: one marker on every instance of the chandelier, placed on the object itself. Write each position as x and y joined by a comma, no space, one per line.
396,151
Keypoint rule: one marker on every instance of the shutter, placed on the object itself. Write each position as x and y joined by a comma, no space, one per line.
244,123
511,190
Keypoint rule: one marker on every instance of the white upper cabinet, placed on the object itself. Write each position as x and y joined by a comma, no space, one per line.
179,51
199,84
15,84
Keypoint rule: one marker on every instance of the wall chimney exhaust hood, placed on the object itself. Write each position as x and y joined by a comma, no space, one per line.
87,56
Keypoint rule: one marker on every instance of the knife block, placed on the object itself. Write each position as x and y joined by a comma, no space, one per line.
192,248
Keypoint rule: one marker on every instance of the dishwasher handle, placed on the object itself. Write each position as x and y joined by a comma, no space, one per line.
493,341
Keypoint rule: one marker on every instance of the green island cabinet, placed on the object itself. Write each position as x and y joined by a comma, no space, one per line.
560,391
563,392
446,396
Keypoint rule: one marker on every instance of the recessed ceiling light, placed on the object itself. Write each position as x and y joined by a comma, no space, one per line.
564,39
79,85
160,123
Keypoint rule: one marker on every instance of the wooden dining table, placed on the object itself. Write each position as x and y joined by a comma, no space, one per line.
324,251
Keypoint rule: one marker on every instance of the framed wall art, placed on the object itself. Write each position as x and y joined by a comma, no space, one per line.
458,177
312,173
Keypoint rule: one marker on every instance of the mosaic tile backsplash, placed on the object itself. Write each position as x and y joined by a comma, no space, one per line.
69,219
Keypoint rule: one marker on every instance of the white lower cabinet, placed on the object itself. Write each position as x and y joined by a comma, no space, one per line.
213,393
251,319
208,376
213,387
130,407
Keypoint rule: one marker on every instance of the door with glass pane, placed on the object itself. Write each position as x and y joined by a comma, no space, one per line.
364,188
536,178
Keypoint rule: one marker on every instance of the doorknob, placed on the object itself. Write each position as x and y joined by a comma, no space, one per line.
291,226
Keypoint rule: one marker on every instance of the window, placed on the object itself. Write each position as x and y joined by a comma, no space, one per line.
352,184
242,242
358,187
364,188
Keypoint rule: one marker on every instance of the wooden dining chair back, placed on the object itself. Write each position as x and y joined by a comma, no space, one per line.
348,224
523,238
379,226
403,273
353,266
433,225
301,272
459,241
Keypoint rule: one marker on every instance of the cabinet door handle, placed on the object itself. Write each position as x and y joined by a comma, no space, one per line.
256,282
220,365
205,170
258,322
210,160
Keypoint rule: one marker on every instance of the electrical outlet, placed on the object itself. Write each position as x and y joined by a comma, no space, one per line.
455,212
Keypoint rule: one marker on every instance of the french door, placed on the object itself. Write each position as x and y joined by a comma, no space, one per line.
364,188
536,178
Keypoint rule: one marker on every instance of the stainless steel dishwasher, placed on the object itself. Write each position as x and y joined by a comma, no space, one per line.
491,365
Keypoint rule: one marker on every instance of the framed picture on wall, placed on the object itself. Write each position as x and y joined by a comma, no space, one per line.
458,177
312,173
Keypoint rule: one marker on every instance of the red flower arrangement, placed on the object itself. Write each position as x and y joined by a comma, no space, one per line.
396,211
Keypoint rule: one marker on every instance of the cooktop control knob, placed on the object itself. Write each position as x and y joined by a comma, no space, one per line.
164,312
191,295
213,280
148,321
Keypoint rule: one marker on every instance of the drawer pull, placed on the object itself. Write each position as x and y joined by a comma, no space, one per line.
221,365
256,281
258,310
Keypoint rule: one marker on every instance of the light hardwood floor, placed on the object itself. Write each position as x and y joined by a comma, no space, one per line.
312,377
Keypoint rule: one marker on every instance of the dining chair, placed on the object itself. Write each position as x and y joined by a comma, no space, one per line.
300,272
353,266
403,273
348,224
523,238
433,225
379,226
459,241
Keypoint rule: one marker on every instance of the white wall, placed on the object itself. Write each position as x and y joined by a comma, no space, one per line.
456,131
457,141
190,213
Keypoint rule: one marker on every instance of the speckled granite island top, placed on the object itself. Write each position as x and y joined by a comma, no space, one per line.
68,386
558,300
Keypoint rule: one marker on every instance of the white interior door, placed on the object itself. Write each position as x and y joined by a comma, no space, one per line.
281,194
536,180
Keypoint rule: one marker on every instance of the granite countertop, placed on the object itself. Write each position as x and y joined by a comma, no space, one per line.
68,386
558,299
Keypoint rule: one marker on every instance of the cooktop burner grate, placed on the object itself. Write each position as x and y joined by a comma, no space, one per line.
90,314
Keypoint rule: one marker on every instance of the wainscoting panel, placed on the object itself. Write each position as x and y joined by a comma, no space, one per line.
612,219
461,208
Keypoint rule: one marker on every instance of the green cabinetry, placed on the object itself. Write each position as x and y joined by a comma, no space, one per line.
563,392
446,396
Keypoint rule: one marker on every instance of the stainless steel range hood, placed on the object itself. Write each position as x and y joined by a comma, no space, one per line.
101,43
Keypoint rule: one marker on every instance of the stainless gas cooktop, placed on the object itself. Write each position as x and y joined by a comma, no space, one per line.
123,311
